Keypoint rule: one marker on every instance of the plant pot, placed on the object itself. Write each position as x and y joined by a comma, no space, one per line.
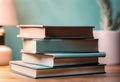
109,42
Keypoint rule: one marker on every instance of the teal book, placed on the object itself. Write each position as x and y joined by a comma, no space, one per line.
40,71
60,45
58,59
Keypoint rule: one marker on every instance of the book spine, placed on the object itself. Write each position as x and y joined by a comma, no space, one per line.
31,31
44,46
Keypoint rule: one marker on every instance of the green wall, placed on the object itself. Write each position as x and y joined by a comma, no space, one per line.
58,12
12,41
53,12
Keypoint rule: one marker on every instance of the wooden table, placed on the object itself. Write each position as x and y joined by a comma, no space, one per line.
113,76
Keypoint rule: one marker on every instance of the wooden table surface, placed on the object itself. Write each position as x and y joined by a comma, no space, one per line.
113,75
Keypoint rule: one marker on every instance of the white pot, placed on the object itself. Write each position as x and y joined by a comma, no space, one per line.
109,42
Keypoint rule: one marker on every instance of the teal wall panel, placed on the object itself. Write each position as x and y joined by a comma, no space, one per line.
58,12
53,12
12,41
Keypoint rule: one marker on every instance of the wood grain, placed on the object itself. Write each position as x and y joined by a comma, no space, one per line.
112,76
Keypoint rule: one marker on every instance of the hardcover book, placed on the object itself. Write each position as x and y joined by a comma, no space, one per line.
58,59
41,31
60,45
39,71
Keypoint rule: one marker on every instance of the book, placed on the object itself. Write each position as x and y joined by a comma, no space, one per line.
39,71
59,45
58,59
42,31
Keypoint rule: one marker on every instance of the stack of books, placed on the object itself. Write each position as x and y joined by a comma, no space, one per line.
55,51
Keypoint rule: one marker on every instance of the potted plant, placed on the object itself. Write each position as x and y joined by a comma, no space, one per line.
109,37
